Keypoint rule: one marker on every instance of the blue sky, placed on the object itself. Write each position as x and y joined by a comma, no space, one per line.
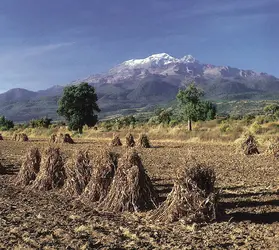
49,42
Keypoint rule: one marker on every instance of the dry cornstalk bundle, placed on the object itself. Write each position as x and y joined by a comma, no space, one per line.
101,178
2,169
52,172
131,188
273,147
130,142
78,173
30,167
1,138
116,141
21,137
144,141
61,138
249,145
192,198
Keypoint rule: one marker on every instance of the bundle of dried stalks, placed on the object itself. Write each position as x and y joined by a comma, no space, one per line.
2,169
192,198
131,188
130,142
273,147
30,167
249,145
1,138
78,173
116,141
61,138
101,178
144,141
21,137
52,172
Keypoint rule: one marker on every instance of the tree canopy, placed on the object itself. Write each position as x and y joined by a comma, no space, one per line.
78,105
192,107
5,124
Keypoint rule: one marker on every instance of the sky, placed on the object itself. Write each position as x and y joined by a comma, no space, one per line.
53,42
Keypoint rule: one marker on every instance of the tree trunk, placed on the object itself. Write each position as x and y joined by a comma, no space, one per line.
189,125
80,130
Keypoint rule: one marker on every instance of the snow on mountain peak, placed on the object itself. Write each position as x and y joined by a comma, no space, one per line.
188,59
160,59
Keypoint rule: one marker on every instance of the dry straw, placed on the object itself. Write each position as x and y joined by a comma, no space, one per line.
116,141
130,142
101,178
52,172
21,137
192,198
249,145
273,147
78,172
143,141
131,188
29,168
61,138
2,169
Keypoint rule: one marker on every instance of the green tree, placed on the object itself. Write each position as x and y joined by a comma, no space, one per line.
190,103
5,124
78,105
192,107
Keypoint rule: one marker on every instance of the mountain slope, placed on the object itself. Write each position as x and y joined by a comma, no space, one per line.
143,83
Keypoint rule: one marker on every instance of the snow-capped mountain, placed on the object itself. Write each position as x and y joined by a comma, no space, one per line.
139,83
166,65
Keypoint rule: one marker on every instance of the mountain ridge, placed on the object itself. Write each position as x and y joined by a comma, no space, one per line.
139,83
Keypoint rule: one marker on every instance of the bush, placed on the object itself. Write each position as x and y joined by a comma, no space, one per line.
40,123
225,127
256,128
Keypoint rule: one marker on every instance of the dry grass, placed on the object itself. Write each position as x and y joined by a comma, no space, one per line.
102,176
78,172
30,167
52,172
131,188
192,198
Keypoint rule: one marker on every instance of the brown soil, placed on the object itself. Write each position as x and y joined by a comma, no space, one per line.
249,190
